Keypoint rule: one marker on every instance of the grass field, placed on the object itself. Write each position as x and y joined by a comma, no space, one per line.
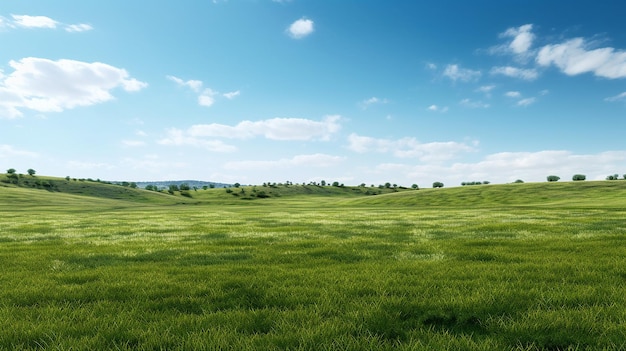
494,267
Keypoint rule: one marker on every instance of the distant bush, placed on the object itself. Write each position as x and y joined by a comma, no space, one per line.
579,177
437,185
553,178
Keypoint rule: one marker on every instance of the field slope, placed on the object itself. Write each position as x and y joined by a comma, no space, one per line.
495,267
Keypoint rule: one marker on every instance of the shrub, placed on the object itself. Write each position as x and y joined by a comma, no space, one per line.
553,178
577,177
437,185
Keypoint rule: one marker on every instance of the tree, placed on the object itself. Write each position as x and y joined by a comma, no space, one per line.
387,185
553,178
323,182
518,181
578,177
31,172
415,186
437,185
184,186
236,185
11,171
335,183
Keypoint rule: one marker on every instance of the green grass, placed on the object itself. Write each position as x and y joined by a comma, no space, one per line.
521,267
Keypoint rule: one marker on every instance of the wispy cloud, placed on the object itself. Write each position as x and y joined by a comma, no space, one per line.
206,96
526,102
473,103
45,85
521,73
372,101
312,161
618,97
513,94
408,148
7,151
456,73
274,129
301,28
436,108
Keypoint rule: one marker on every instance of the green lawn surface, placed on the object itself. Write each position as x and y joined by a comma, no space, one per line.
492,267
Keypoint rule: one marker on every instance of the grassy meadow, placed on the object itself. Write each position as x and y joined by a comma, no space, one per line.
491,267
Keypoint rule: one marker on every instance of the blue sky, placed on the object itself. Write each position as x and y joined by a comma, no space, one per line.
253,91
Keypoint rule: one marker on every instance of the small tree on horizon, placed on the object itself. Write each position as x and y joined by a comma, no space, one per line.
553,178
11,171
437,185
578,177
31,172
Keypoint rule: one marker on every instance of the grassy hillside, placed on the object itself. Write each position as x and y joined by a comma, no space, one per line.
596,194
91,266
52,191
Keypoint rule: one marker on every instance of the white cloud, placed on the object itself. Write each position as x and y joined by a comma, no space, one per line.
82,27
454,72
53,86
408,148
206,98
473,103
436,108
301,28
371,101
177,137
315,160
513,94
231,95
618,97
34,21
573,57
195,85
275,129
526,102
522,38
521,73
486,89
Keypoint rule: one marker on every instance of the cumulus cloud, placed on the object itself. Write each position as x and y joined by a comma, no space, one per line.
34,21
455,72
574,57
301,28
521,73
45,85
522,38
314,160
408,148
274,129
42,22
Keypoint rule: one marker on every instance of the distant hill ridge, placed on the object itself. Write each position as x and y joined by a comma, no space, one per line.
191,183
